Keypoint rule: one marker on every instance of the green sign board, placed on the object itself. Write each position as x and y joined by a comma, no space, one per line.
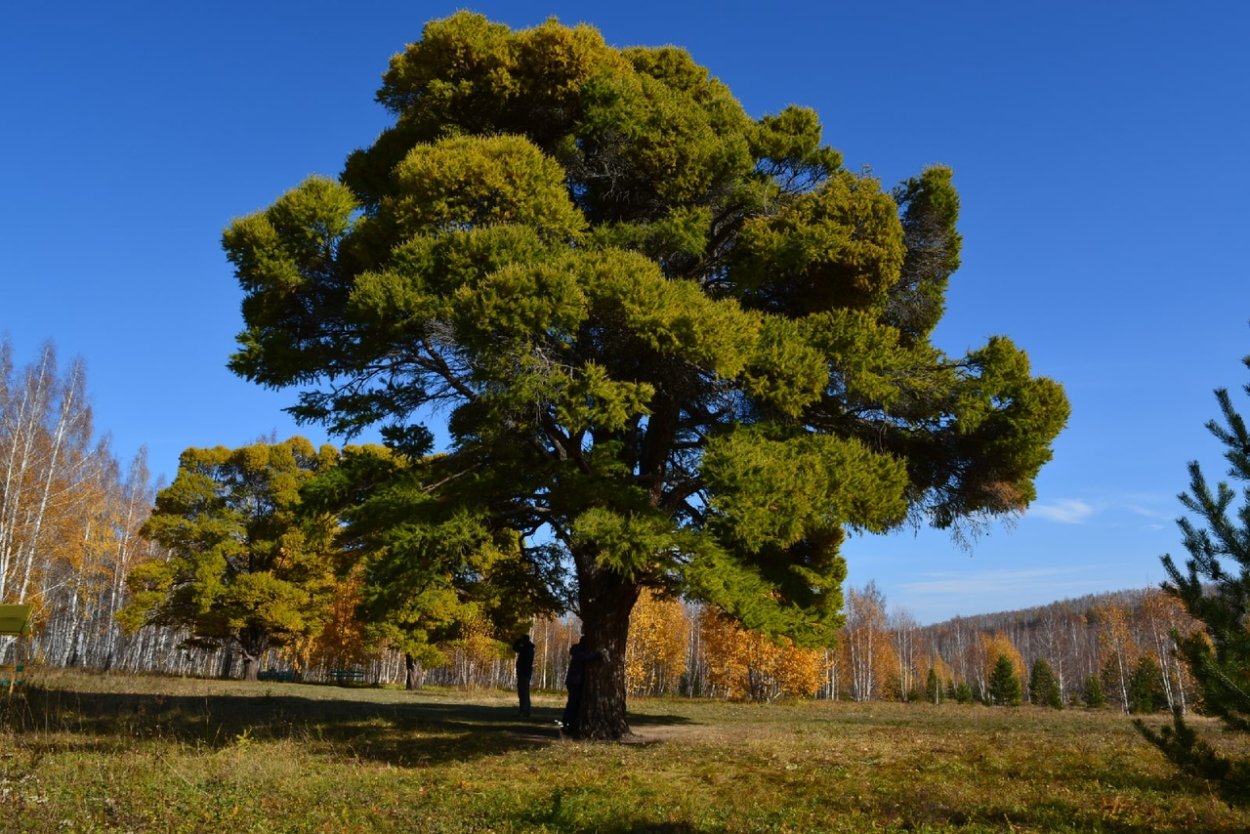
13,619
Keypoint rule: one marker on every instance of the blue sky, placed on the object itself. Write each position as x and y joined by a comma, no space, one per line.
1099,149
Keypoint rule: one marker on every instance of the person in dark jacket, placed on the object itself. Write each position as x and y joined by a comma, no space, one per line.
524,648
575,682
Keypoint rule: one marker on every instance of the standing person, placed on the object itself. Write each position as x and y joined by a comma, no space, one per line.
575,682
524,648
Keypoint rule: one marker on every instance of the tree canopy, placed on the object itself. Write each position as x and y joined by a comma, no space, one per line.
246,569
672,345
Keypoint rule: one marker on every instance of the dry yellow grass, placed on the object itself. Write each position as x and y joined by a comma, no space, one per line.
114,754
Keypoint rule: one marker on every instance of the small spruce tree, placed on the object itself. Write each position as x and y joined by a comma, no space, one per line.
1004,684
933,687
1044,686
1145,687
1215,589
1114,682
1093,694
962,693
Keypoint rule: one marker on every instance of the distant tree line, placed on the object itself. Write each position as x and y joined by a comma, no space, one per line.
1115,648
1110,649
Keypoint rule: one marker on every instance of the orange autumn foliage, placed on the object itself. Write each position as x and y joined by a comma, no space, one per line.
342,643
744,664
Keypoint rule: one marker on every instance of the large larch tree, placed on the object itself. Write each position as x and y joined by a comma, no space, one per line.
673,346
247,569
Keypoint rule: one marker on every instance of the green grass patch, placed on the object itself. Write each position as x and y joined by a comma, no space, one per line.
85,753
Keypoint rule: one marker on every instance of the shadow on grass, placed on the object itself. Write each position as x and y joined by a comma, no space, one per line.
617,827
578,811
415,733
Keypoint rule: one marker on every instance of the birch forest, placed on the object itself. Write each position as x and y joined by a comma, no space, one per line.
70,521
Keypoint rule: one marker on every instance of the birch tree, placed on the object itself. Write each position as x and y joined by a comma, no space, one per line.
866,637
45,431
1120,650
905,633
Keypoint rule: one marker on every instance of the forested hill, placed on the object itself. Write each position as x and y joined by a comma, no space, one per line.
1088,605
1106,636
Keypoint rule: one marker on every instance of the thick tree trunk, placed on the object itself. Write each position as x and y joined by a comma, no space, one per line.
606,602
414,675
250,667
253,644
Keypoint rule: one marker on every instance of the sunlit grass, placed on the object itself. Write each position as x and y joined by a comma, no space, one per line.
118,754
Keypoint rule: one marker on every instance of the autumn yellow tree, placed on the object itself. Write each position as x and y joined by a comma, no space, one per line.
45,455
744,664
474,656
992,648
835,665
78,548
799,671
655,653
250,570
68,519
344,641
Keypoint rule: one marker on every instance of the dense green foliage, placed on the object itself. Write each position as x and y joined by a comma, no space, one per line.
246,568
1215,589
1004,685
1093,695
675,346
1044,686
429,573
1145,687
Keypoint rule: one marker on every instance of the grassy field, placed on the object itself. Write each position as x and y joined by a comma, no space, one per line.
116,754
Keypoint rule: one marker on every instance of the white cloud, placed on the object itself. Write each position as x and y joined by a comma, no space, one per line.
1063,510
1151,513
